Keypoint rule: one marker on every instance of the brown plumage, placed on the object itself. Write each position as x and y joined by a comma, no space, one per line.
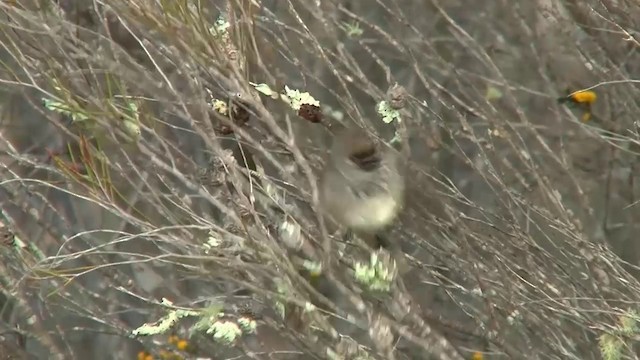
361,187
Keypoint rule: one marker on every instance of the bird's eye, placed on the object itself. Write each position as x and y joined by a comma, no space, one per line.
368,159
364,153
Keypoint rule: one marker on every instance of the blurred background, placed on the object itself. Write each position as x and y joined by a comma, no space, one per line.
138,163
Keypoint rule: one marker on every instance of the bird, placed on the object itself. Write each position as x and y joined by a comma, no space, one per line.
579,97
583,99
362,185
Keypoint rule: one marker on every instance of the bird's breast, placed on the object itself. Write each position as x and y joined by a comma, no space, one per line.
372,213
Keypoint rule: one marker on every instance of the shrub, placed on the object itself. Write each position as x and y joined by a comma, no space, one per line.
159,164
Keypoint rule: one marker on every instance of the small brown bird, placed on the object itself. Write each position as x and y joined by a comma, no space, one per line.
362,186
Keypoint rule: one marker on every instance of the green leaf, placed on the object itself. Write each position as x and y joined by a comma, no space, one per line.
64,109
493,93
264,89
353,29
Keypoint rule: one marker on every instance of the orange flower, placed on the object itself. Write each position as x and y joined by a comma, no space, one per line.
182,345
173,339
143,355
168,355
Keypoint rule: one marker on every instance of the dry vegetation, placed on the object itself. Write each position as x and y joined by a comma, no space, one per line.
520,222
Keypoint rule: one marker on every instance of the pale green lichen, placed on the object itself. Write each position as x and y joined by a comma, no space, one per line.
247,324
165,323
352,29
376,275
221,26
293,97
224,331
388,113
612,344
610,347
629,323
296,99
314,267
213,241
220,106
